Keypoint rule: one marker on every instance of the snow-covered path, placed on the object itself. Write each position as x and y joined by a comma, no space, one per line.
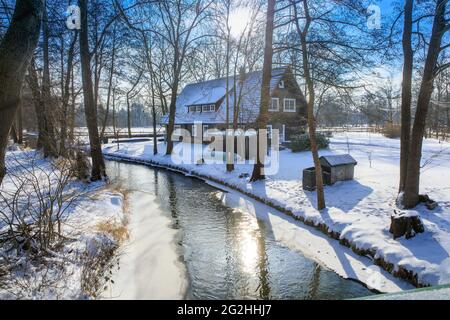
149,266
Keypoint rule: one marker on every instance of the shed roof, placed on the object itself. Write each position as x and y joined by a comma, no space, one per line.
338,160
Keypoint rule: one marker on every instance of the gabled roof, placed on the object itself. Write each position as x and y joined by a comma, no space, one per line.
338,160
212,91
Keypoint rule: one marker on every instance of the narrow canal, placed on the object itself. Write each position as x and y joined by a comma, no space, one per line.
214,252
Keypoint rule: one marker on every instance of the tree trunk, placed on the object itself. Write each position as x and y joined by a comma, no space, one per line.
13,133
310,105
71,122
66,96
261,121
16,49
171,124
423,102
155,138
49,140
19,117
110,80
406,93
33,83
98,163
128,116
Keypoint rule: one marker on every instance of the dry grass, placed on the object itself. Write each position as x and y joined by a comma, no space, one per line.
118,231
392,131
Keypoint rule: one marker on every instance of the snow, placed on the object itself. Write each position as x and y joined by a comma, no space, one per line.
358,210
339,159
210,92
149,266
433,293
61,276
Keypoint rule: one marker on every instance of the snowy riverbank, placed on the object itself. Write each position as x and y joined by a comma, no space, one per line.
93,226
358,211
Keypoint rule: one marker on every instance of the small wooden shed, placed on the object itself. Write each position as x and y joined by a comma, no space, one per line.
338,168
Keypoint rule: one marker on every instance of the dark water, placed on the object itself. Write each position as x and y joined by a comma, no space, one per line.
230,255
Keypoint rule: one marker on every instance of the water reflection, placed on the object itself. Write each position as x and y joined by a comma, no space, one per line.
229,254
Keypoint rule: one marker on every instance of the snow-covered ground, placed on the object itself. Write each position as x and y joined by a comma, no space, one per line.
93,225
358,210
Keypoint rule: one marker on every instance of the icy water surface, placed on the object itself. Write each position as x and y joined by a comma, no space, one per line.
227,254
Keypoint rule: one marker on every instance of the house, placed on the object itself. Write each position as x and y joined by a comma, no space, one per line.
205,103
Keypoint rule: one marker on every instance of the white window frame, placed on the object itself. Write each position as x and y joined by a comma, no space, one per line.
198,108
281,84
208,108
289,110
278,104
194,130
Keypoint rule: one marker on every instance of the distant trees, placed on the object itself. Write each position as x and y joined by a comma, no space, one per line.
16,50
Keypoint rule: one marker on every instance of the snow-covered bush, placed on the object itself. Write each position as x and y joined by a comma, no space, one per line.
301,142
31,213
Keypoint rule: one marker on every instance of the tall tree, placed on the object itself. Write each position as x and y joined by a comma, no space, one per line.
303,34
261,121
48,136
440,26
406,91
179,20
66,94
16,50
90,108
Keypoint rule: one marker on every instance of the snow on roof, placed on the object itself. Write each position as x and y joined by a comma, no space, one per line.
212,91
338,160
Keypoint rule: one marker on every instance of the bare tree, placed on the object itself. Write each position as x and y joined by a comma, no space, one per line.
303,33
66,94
406,92
431,69
179,21
261,121
16,49
90,109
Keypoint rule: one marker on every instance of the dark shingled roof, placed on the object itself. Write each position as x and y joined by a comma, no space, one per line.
209,92
338,160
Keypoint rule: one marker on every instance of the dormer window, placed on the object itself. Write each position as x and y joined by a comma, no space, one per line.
208,108
195,108
281,84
